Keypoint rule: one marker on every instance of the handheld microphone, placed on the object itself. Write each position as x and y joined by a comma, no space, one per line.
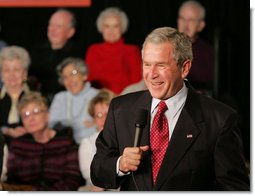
140,122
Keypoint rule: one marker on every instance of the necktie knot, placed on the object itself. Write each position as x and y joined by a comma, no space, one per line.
162,107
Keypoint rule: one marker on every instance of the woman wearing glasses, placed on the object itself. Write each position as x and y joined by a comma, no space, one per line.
43,159
70,107
98,109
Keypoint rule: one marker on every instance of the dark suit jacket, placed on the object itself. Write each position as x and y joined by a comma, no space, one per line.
1,151
204,153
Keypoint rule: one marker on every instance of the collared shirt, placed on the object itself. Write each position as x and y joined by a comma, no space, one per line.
174,105
3,91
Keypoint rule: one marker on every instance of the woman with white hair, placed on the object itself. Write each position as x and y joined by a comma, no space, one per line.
112,63
14,63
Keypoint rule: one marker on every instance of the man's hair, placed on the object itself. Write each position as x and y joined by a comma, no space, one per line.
196,5
112,11
182,45
73,22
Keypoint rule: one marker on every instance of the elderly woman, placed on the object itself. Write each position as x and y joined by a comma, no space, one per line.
70,107
113,64
14,63
42,159
98,109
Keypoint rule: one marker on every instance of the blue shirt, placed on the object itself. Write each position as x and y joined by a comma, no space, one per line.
72,110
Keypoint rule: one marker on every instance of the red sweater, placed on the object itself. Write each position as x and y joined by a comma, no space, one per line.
114,65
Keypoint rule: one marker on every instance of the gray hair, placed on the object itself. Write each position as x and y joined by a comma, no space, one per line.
182,45
78,63
15,52
33,97
73,22
196,5
112,11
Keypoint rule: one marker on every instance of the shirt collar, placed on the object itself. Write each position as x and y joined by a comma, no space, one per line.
4,90
85,90
174,102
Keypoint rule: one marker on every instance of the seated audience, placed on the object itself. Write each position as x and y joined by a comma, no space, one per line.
43,159
113,64
14,63
98,109
70,107
191,20
48,54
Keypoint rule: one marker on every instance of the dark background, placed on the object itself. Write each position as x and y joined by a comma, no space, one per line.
228,22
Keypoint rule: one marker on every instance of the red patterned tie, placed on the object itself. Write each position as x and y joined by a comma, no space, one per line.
159,137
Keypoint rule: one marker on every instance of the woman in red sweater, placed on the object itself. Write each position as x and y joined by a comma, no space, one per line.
113,64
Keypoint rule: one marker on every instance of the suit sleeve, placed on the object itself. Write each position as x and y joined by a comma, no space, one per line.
230,170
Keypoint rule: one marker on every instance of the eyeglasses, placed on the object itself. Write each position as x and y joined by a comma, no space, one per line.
100,115
35,112
73,73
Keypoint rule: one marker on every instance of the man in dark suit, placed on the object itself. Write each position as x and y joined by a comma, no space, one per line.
2,142
203,148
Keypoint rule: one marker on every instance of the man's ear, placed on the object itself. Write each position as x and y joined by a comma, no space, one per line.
201,25
71,32
185,68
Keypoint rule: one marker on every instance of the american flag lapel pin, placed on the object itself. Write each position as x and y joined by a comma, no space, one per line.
189,136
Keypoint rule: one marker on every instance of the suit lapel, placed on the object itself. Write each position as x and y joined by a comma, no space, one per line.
143,102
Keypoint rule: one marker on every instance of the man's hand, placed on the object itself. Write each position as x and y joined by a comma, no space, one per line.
131,158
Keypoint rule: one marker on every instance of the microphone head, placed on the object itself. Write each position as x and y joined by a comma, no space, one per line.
141,117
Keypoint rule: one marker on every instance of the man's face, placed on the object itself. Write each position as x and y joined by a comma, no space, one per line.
59,29
160,71
189,21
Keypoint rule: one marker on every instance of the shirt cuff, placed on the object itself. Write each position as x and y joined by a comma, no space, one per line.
120,173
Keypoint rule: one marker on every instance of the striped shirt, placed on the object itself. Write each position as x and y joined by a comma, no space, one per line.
50,166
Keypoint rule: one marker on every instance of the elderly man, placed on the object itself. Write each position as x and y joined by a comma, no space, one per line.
47,55
191,21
